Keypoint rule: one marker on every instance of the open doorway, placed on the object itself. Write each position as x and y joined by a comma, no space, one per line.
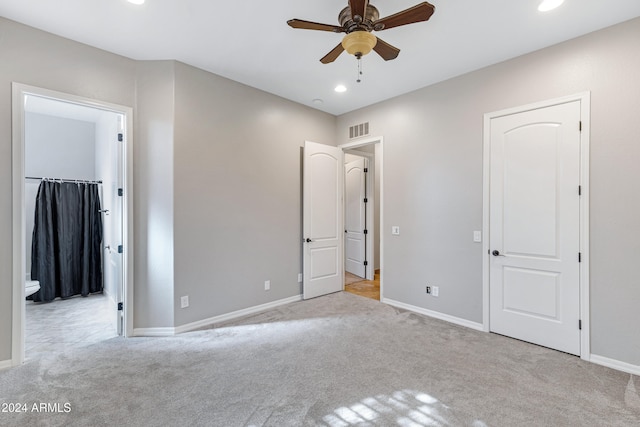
362,239
76,149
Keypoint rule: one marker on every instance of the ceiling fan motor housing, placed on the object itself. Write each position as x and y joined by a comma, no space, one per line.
359,23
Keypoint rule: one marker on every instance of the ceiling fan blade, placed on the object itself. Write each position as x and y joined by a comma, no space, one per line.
385,50
358,8
308,25
333,55
417,13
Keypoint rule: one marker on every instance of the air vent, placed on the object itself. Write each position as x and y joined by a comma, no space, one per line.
357,131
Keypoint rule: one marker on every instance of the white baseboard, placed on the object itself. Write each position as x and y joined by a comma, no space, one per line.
436,315
5,364
153,332
615,364
235,314
164,332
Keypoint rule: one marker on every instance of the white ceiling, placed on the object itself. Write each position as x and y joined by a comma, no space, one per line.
250,42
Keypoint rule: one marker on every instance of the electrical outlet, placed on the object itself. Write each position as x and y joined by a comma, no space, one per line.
267,285
429,289
299,277
184,301
477,236
436,291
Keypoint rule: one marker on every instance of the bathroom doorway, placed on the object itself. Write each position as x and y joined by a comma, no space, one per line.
71,142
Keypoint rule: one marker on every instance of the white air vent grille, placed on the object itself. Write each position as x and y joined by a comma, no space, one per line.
357,131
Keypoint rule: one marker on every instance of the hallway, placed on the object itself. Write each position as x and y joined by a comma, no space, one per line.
364,288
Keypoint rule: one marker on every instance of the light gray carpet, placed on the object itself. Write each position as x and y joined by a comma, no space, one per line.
339,360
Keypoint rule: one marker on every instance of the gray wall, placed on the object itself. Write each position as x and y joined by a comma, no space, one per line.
433,178
56,147
153,199
37,58
237,193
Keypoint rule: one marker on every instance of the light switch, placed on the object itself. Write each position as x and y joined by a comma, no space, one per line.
395,230
477,236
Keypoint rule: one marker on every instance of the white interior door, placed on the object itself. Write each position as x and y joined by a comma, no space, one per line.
323,177
534,224
112,204
355,216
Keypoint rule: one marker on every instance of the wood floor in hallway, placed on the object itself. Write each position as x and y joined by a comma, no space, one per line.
364,288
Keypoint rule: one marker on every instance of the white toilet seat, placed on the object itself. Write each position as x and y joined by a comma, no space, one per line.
31,287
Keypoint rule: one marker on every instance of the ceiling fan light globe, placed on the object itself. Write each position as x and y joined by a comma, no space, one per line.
359,42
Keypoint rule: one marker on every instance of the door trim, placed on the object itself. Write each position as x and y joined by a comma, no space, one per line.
585,108
379,157
19,91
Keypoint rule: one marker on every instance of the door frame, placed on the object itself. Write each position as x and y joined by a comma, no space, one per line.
585,107
19,92
378,157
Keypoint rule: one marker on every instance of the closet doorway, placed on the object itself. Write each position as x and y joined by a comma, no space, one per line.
71,172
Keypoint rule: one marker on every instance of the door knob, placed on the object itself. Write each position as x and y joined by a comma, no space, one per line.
308,240
496,253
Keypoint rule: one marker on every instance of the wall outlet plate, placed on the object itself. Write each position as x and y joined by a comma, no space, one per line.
395,230
435,291
267,285
184,301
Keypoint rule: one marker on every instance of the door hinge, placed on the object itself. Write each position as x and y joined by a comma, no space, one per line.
580,125
120,192
120,306
579,190
366,200
366,170
366,231
580,324
366,263
120,249
579,256
120,137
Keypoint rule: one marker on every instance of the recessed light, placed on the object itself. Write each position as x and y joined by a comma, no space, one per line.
136,1
548,5
318,101
340,88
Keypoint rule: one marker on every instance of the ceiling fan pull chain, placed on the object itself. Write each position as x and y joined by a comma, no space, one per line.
359,69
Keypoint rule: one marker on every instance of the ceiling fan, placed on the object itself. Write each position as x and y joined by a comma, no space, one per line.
358,20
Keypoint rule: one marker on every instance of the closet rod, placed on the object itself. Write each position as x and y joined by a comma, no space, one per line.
65,180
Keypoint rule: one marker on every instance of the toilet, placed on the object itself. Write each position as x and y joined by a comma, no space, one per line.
31,287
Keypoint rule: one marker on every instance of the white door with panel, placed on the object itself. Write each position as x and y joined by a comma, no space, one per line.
535,226
113,218
355,217
323,180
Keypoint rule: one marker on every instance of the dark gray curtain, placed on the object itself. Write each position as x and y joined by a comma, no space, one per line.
66,255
